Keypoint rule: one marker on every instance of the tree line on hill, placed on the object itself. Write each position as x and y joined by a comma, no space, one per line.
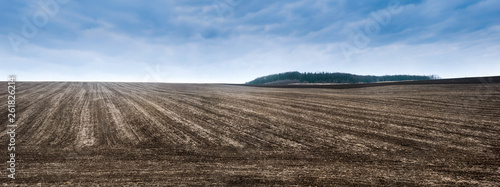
325,77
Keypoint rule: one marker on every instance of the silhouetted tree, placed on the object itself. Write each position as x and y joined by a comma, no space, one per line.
324,77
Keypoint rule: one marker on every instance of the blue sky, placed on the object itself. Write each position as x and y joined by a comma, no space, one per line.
235,41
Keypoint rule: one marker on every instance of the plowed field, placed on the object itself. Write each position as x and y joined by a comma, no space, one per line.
209,134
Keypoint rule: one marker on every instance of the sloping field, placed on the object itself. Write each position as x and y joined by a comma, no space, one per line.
196,134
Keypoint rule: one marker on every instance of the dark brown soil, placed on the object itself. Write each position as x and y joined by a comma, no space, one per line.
205,134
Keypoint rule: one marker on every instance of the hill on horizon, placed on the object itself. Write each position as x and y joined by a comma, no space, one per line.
325,77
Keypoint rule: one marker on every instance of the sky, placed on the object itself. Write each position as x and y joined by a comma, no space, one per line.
235,41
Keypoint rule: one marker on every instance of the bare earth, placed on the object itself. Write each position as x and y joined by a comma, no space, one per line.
207,134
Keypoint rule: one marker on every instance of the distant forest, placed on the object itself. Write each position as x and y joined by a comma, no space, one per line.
324,77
